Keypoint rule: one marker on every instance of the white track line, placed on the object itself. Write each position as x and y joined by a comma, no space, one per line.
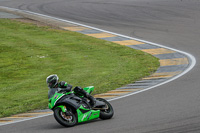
191,57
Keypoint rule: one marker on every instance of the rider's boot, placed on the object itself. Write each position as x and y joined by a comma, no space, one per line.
87,95
92,101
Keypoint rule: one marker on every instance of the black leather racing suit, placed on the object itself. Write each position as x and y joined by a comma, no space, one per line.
67,88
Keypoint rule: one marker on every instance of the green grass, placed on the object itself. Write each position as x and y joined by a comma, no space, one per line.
28,54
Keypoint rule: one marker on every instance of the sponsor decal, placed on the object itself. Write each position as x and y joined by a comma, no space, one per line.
56,97
84,116
89,115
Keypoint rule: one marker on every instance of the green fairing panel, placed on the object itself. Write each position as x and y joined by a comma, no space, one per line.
89,89
53,99
89,115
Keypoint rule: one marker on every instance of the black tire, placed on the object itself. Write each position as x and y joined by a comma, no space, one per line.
108,113
61,117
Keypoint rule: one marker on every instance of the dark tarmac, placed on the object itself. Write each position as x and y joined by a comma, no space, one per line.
170,108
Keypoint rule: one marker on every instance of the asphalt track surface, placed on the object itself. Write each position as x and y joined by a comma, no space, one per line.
170,108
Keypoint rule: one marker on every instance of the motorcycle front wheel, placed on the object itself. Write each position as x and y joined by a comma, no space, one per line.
67,119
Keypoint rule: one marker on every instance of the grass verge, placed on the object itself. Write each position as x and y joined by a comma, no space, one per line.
28,54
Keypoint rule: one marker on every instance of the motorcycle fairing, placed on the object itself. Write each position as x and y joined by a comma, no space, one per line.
69,100
86,114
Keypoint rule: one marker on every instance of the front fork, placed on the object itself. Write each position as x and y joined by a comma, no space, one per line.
64,110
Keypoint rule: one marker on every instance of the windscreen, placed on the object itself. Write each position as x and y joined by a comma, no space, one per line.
51,92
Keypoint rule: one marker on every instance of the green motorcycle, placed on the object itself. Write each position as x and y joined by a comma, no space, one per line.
70,108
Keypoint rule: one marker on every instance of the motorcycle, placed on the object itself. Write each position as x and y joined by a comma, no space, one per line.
70,108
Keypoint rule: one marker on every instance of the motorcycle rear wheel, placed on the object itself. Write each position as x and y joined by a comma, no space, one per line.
107,113
64,118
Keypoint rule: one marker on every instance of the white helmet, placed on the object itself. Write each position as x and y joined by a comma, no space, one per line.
52,80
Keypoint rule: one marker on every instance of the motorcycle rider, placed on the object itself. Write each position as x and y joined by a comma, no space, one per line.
54,85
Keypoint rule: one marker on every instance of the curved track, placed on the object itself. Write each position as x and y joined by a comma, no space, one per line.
173,107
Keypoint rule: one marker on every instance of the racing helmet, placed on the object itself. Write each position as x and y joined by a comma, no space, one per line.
52,80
